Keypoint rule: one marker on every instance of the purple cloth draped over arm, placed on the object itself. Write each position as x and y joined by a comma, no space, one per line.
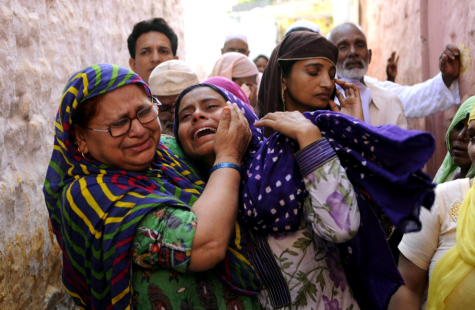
384,165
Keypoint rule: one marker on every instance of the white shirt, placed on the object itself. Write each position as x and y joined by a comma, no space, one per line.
437,236
380,106
423,99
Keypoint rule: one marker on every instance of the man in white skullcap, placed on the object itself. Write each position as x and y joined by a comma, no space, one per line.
235,42
166,82
303,25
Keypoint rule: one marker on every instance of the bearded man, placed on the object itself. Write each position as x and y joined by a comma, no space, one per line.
380,106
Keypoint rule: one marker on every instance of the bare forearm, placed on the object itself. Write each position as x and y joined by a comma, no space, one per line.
216,211
405,299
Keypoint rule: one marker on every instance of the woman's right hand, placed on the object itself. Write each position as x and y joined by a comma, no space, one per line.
293,125
233,135
350,104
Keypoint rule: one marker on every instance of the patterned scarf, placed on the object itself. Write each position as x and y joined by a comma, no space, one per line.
384,166
448,169
95,209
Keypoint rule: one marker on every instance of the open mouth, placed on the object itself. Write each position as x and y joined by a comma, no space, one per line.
202,132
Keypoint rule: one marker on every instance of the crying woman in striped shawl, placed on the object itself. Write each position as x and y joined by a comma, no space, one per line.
120,204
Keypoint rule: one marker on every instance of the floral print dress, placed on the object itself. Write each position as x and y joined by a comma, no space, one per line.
160,281
308,258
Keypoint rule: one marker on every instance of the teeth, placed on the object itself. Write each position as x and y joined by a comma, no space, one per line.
204,128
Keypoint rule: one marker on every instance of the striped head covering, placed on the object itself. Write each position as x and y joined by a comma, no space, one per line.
95,209
448,169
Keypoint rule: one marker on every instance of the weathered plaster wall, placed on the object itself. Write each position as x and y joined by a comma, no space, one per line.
393,26
42,44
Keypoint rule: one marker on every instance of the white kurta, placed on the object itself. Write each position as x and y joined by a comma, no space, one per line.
423,99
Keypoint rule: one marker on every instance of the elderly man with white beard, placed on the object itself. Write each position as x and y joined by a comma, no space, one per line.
380,106
429,97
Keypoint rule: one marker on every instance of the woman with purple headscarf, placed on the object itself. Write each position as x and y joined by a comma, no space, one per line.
279,186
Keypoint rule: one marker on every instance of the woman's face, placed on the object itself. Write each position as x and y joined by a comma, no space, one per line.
458,139
132,151
471,137
198,119
261,64
309,85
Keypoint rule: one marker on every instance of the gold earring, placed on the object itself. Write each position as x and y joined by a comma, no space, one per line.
82,153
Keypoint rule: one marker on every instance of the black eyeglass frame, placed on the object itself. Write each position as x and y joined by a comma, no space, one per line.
155,104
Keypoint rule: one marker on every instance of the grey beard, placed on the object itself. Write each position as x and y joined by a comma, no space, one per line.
355,73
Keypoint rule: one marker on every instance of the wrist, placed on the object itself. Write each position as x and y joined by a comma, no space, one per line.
226,165
227,159
448,80
308,135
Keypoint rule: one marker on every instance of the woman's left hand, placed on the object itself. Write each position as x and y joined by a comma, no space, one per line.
350,103
293,125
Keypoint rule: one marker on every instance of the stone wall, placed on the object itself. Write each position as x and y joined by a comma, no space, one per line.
42,44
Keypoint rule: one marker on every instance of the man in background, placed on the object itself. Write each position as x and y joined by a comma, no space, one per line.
434,95
380,106
166,82
151,43
235,42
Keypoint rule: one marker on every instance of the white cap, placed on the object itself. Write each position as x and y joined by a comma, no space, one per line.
303,23
239,36
171,78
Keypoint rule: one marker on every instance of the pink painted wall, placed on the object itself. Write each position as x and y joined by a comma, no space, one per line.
419,31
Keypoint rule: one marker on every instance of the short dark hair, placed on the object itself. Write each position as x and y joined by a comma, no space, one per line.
261,56
157,24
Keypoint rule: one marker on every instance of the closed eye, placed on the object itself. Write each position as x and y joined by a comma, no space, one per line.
212,106
144,112
120,123
184,116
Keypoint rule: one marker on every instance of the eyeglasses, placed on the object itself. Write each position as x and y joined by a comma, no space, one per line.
122,126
